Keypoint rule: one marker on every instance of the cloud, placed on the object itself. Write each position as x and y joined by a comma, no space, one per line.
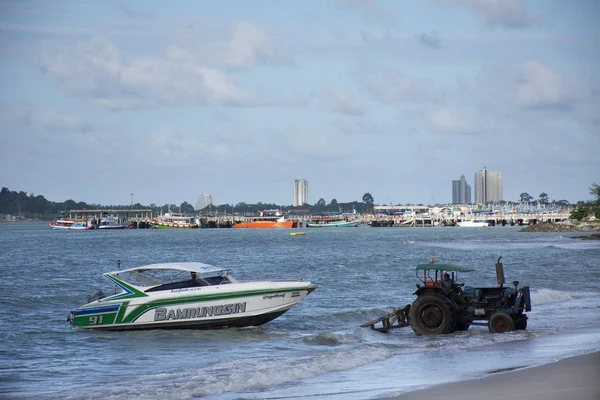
431,40
357,127
251,46
130,12
395,87
371,10
25,115
97,70
172,148
506,13
450,121
540,87
342,102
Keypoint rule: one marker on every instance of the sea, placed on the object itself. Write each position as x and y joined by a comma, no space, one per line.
316,350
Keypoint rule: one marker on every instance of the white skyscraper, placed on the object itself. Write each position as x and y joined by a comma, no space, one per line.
488,186
204,201
300,192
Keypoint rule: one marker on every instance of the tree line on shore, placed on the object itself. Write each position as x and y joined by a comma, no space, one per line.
29,206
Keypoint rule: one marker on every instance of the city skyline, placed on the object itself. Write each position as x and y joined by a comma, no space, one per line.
101,99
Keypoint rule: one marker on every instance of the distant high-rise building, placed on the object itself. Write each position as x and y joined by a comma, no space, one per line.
300,192
488,186
461,191
204,201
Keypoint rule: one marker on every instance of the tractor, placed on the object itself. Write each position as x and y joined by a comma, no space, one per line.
444,306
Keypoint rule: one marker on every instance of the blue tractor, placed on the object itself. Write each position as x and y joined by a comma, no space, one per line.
445,306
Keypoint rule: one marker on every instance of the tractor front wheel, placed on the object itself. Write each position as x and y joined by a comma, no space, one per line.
501,322
521,322
432,314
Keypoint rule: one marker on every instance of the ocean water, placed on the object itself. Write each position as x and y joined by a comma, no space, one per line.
315,350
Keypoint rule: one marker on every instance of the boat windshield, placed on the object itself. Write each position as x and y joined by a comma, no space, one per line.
166,279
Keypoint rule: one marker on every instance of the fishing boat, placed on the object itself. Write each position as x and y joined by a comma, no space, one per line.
328,220
267,222
111,222
70,224
186,295
175,220
473,223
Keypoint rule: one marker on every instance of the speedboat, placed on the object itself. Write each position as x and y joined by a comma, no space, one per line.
186,295
475,223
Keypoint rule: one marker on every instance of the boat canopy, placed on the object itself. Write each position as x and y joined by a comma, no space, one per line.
197,267
443,267
161,274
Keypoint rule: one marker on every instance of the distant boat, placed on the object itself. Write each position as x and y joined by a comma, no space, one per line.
472,223
174,220
328,220
111,222
71,224
267,222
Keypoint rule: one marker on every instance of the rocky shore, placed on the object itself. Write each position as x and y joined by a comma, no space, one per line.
566,227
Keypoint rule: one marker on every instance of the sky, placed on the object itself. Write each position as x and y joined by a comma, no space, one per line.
100,100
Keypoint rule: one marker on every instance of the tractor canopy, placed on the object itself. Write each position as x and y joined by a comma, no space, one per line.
443,267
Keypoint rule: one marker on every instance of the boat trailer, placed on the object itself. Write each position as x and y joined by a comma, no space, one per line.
398,318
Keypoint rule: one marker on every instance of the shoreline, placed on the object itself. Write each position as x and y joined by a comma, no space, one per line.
573,377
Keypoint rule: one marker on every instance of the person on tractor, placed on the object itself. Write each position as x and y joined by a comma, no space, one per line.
447,282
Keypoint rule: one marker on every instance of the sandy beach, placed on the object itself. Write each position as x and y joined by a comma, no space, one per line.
570,378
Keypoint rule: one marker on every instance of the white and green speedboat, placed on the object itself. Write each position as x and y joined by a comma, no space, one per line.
188,295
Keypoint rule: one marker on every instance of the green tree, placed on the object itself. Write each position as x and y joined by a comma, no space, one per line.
595,191
333,206
321,203
579,213
543,198
368,200
525,197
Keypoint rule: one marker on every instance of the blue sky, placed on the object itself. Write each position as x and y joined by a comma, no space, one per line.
168,100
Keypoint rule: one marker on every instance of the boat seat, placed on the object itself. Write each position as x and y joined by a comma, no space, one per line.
431,283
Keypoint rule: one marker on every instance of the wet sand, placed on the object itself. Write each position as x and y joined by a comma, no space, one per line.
570,378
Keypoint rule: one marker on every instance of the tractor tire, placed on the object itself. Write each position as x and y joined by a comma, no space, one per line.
431,315
521,322
501,322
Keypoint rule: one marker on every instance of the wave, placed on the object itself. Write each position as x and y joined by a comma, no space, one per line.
335,339
544,296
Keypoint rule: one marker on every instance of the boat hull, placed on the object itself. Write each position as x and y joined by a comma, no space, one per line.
174,226
345,224
70,228
264,224
472,224
193,310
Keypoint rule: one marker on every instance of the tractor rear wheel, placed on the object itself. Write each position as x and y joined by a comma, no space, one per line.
521,322
501,322
432,314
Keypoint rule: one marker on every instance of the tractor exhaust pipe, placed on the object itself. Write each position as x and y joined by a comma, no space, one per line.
499,272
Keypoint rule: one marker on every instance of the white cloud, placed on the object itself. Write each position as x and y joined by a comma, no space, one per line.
395,87
97,70
539,86
342,102
507,13
250,46
44,119
450,121
371,10
171,148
